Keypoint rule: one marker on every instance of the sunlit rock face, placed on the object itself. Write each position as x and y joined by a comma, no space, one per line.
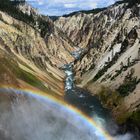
31,117
112,37
36,53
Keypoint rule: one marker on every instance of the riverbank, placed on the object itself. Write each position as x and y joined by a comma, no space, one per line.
99,106
127,120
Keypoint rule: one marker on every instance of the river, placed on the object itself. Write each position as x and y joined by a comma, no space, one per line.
81,98
90,105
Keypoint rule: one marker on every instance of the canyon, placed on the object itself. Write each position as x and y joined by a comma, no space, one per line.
97,51
111,41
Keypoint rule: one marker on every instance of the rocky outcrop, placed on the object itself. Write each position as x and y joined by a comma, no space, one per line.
27,9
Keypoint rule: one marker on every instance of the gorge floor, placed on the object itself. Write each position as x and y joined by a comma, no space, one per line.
91,106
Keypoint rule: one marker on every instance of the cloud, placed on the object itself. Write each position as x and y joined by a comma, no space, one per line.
60,7
70,5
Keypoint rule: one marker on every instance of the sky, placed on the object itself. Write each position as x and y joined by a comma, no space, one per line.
61,7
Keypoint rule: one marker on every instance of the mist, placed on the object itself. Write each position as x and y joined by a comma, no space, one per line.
28,117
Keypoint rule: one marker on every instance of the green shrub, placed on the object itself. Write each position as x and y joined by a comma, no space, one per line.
9,66
11,8
93,11
135,117
106,67
109,98
130,117
131,3
129,84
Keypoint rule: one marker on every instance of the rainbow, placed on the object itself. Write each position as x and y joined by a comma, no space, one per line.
42,95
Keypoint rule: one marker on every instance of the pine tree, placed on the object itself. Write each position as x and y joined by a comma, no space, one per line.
18,1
